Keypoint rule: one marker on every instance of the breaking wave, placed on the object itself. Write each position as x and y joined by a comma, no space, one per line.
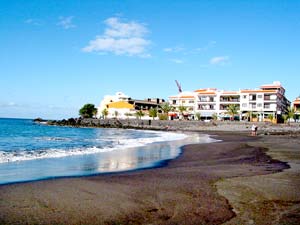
114,143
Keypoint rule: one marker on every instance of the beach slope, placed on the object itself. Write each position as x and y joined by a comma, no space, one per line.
183,192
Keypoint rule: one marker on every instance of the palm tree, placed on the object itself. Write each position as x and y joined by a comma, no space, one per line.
153,113
232,110
166,107
291,112
105,113
198,115
139,114
215,117
285,117
271,117
182,109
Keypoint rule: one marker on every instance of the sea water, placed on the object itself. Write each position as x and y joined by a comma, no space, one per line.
31,151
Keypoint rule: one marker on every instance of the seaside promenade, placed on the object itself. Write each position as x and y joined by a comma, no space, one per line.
240,180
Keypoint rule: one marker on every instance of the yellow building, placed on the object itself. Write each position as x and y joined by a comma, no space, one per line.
120,109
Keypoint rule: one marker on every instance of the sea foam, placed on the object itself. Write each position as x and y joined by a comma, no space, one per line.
116,143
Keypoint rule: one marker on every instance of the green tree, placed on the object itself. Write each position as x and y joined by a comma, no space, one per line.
88,111
198,116
163,116
139,114
291,112
104,113
182,109
153,113
232,110
285,117
271,117
215,117
166,107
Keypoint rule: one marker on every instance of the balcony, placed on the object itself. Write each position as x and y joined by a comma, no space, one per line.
229,99
206,107
224,107
206,99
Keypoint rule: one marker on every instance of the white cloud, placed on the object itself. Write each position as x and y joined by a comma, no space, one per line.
117,29
219,60
178,61
121,46
121,38
66,22
174,49
34,22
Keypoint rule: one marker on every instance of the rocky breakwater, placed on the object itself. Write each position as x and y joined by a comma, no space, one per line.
183,125
84,122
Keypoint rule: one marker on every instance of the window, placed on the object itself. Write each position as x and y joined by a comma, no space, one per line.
174,102
244,105
244,96
253,97
183,101
259,96
259,105
191,101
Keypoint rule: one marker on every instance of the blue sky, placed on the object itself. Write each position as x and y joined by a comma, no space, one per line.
56,56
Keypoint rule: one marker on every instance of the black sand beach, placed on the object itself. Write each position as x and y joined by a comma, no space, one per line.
183,192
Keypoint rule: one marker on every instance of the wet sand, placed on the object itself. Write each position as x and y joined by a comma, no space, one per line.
189,190
268,199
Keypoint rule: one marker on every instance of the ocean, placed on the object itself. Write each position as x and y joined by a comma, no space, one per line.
31,151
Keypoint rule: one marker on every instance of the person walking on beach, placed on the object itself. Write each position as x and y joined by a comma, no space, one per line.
253,130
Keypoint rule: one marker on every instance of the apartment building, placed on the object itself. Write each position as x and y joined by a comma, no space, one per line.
268,99
187,99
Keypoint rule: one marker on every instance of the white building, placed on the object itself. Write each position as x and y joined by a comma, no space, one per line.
269,99
108,99
187,99
123,107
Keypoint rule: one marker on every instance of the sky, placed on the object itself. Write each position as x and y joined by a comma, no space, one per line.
56,56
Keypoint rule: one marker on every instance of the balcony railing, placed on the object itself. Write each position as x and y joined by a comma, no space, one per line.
229,99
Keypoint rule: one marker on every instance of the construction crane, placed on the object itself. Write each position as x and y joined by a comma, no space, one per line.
179,86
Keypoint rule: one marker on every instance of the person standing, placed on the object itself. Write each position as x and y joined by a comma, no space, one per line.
253,130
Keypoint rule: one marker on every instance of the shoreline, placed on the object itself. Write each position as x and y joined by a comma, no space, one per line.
184,191
158,164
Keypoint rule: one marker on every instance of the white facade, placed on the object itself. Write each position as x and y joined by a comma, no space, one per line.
269,99
119,96
187,99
